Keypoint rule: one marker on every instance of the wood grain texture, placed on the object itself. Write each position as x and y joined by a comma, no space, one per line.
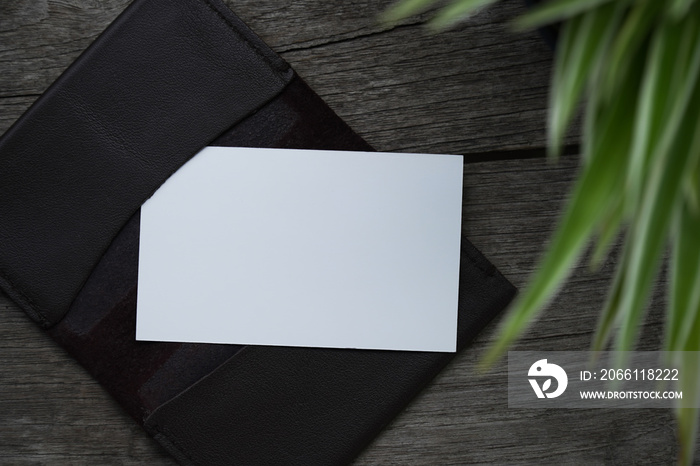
478,89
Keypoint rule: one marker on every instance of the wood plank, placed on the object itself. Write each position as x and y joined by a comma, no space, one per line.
39,39
476,89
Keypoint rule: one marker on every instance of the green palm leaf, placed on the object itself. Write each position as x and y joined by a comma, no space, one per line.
456,11
557,10
585,42
684,293
598,181
404,9
679,8
630,38
663,190
684,325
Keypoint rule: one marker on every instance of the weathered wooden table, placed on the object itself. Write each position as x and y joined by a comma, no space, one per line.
479,90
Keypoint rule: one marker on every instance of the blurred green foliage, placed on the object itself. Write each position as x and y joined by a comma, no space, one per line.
634,66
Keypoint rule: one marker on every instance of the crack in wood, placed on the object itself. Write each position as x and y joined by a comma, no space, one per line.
344,38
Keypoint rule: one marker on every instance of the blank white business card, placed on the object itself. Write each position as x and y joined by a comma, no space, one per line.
304,248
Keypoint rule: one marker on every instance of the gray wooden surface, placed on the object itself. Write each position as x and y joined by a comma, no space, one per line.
479,90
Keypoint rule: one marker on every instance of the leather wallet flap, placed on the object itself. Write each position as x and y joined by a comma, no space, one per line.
163,81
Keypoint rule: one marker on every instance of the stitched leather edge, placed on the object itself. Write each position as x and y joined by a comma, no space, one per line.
173,448
248,37
34,311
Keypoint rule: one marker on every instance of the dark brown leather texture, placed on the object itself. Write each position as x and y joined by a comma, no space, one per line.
313,406
163,81
166,79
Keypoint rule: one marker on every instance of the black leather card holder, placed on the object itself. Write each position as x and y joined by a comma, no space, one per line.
166,79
